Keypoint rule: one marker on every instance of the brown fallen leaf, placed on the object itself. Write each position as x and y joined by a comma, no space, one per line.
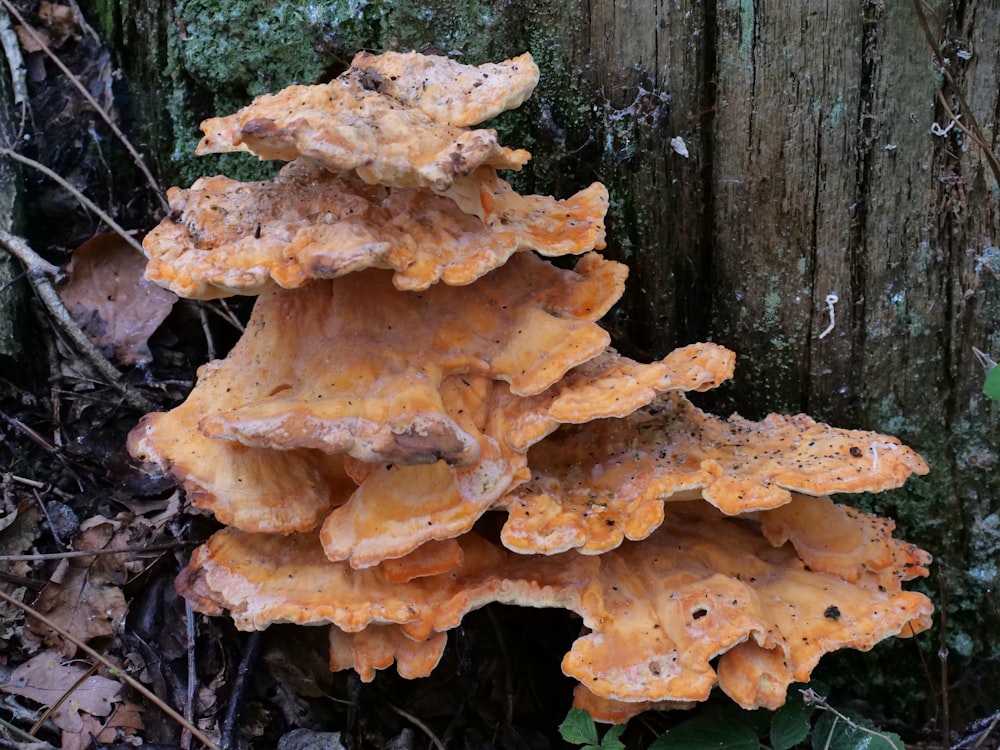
92,728
59,20
44,679
84,595
112,301
31,39
21,524
126,717
83,604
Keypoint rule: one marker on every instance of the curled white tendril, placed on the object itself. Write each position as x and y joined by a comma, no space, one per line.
831,300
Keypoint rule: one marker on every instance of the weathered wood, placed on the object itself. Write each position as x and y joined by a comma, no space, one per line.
11,290
828,179
812,169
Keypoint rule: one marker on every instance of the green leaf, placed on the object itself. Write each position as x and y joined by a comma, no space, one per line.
834,733
578,727
790,724
610,740
992,385
708,733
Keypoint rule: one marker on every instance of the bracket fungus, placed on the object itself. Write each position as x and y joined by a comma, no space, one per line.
226,237
412,364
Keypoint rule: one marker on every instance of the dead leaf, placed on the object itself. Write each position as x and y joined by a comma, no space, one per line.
91,727
59,20
84,597
84,605
31,39
22,524
127,716
112,301
44,679
97,732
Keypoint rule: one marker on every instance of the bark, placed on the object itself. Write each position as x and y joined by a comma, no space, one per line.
811,170
11,290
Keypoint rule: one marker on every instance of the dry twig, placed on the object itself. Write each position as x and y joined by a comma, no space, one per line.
978,733
974,131
113,670
38,271
15,61
812,698
71,554
419,724
56,177
243,672
136,157
62,699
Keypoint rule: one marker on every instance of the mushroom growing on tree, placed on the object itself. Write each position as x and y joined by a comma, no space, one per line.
412,364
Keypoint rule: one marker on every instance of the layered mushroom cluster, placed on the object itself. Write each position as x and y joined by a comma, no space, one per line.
414,369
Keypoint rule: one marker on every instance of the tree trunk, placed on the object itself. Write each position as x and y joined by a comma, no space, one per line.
764,159
12,298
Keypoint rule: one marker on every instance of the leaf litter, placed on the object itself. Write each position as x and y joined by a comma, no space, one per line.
111,300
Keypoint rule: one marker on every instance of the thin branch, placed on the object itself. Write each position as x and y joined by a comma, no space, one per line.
15,730
231,316
136,157
225,312
49,710
72,554
238,694
812,698
113,670
207,331
34,482
975,134
192,679
419,724
55,176
974,131
989,730
38,271
943,657
15,61
29,433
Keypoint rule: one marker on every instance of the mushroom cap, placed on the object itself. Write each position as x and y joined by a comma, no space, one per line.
246,487
448,91
357,368
703,587
354,123
599,483
378,646
428,559
834,538
609,711
225,237
397,508
358,354
612,386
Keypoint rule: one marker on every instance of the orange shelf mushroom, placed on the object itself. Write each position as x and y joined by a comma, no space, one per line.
356,123
412,365
396,508
704,586
226,237
596,484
